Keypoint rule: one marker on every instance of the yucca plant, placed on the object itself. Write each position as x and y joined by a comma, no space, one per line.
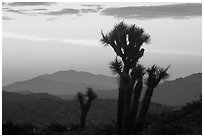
85,101
155,76
137,74
126,41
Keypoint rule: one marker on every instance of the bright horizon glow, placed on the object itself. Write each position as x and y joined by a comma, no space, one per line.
85,42
38,44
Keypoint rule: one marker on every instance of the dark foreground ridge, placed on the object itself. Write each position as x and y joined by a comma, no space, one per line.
56,116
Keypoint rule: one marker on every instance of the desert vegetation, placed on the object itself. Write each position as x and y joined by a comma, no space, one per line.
85,101
130,114
186,120
127,41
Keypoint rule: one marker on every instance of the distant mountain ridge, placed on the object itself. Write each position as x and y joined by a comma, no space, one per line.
80,77
65,84
179,91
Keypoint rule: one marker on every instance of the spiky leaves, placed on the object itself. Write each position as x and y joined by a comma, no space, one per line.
162,74
126,41
116,66
85,103
80,98
137,72
91,94
137,36
155,75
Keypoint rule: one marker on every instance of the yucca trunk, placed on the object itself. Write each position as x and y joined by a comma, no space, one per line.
84,113
135,101
83,118
127,89
120,108
126,127
144,108
120,105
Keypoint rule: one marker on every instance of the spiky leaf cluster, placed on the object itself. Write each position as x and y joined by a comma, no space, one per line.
116,66
137,72
155,75
91,94
126,41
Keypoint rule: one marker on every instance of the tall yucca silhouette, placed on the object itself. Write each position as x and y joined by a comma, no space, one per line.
85,101
127,41
137,73
155,75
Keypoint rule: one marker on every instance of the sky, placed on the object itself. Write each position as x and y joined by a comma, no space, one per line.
46,37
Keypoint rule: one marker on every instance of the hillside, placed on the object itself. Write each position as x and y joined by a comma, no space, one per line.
186,121
102,94
43,111
180,91
51,116
66,84
19,97
80,77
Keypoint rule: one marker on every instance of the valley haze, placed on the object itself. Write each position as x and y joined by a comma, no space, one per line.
66,84
113,68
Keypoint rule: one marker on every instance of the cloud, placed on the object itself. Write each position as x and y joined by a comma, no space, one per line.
88,10
63,12
91,5
71,11
15,11
24,12
174,52
92,42
39,9
23,36
6,18
185,10
34,11
83,42
30,3
93,8
50,19
97,6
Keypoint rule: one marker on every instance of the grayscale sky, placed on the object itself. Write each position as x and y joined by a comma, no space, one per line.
42,37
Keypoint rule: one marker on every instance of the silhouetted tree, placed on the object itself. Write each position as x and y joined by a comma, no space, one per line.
85,101
126,41
137,75
155,75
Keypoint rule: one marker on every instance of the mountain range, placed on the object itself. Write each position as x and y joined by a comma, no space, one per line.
65,84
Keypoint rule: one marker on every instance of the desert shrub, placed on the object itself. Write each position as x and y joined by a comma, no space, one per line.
56,127
108,129
191,107
74,126
169,129
9,128
186,121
